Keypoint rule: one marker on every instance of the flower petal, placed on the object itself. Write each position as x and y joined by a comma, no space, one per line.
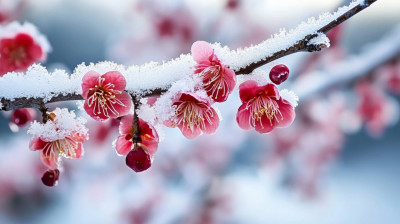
212,125
188,133
248,90
115,78
49,158
91,113
201,51
37,144
123,146
243,117
265,125
126,126
123,109
89,80
288,114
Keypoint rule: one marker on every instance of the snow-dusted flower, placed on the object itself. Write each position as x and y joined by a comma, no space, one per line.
193,115
61,135
263,108
148,136
105,96
18,53
218,80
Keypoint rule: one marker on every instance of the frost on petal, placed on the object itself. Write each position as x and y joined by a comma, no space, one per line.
290,96
201,51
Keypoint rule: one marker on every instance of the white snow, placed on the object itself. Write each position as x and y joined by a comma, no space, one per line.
65,123
321,38
290,96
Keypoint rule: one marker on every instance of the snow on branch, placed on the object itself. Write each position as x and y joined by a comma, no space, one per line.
352,68
38,86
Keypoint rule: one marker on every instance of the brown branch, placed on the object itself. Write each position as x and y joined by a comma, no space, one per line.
136,129
43,109
300,46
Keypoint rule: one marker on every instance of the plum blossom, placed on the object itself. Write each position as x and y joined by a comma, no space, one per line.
61,135
19,52
263,108
148,136
193,115
375,108
218,80
104,95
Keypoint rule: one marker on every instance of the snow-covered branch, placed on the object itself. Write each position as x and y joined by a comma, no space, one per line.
352,68
38,86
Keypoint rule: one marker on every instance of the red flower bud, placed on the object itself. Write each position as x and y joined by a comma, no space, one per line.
50,177
138,159
279,74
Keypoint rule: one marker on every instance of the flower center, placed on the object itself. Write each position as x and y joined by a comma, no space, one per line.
213,80
261,106
103,98
66,147
193,115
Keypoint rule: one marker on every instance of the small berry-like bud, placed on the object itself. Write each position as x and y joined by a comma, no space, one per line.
138,159
21,117
279,74
50,177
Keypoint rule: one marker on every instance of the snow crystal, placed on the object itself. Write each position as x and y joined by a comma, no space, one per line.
12,29
321,38
290,96
64,124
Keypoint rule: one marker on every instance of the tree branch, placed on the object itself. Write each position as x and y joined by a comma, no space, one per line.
302,45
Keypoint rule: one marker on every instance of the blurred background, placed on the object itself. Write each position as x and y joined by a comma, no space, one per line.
338,162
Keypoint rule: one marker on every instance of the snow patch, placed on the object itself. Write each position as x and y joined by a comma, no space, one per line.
64,124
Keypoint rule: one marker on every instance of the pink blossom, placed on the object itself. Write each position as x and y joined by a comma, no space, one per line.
18,53
148,136
194,115
69,147
105,96
263,108
218,79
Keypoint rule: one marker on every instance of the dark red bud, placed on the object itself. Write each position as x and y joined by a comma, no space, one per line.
50,177
279,74
138,159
